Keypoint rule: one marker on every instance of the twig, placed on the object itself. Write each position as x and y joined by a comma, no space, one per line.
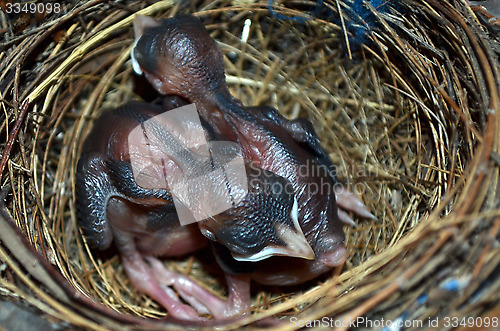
13,135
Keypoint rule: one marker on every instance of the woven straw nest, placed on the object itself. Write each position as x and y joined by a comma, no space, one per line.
410,115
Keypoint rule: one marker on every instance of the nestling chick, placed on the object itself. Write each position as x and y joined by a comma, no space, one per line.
112,206
274,237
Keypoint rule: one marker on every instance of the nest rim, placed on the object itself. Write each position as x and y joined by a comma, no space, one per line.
353,286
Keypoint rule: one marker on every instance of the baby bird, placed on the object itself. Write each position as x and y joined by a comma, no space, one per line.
286,230
112,206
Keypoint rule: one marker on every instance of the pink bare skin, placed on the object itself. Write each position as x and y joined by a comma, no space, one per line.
271,237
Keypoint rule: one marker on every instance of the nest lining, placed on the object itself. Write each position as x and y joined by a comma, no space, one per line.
408,122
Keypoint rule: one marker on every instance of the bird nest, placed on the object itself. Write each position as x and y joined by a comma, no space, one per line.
405,98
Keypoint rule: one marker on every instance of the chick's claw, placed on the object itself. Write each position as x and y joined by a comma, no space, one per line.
348,201
200,298
144,279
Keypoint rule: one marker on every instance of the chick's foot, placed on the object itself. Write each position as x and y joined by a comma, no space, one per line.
237,304
143,278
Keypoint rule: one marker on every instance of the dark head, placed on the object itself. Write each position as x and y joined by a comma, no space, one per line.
179,57
263,224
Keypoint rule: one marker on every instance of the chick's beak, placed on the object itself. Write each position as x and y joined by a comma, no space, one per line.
141,23
296,244
135,65
293,243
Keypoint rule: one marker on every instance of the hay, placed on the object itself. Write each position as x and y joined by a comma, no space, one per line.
410,116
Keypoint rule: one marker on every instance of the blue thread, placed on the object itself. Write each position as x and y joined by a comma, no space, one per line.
422,299
451,285
300,19
359,20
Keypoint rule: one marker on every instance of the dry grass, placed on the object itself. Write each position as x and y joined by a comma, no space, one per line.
412,123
